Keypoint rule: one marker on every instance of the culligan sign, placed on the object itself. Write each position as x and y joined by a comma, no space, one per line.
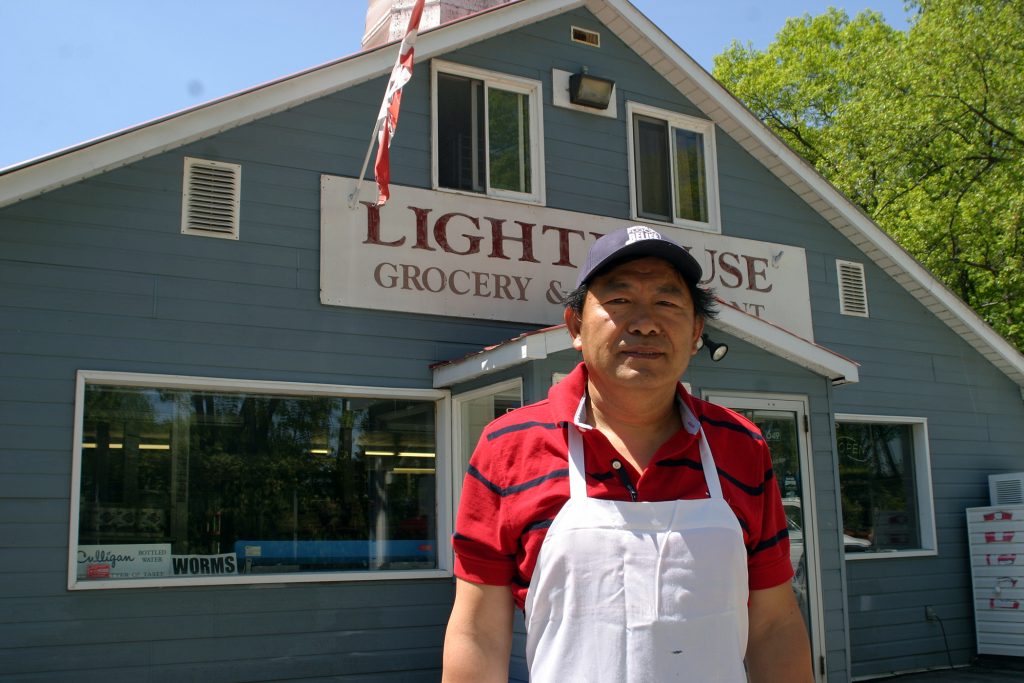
473,257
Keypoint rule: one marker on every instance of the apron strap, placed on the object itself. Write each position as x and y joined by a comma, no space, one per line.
577,475
707,460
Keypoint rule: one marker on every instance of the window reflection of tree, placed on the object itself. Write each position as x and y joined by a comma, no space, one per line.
295,469
877,483
123,490
250,466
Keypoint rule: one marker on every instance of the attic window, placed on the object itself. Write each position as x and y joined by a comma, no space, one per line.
582,35
853,291
210,199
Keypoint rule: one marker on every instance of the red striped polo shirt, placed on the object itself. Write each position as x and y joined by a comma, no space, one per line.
518,480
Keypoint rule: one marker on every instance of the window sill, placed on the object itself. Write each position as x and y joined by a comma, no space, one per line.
305,577
891,555
531,200
708,228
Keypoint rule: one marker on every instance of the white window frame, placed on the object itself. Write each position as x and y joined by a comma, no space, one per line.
442,476
523,86
691,123
923,477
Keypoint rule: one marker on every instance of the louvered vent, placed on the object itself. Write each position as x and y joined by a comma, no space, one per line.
853,291
582,35
210,198
1006,489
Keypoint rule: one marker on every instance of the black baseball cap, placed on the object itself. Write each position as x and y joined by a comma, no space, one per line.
637,241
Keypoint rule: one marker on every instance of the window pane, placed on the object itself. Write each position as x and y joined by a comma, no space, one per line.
193,483
877,474
509,140
460,148
691,181
654,188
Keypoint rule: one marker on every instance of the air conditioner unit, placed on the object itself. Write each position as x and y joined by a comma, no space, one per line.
1006,489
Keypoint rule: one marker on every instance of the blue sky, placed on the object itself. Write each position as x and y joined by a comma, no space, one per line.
75,69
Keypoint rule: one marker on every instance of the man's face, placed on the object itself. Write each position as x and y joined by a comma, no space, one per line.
638,328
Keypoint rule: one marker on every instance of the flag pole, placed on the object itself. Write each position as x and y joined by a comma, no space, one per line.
353,199
388,114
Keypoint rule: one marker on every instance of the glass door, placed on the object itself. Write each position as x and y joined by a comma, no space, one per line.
472,413
782,422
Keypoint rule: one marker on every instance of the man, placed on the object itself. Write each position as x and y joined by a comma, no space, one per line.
640,528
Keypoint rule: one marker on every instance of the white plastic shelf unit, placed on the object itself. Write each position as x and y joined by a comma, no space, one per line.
996,538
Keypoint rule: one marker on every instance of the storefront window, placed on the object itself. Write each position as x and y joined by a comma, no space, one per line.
179,483
885,493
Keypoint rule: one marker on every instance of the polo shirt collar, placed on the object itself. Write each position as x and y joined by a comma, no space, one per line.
568,398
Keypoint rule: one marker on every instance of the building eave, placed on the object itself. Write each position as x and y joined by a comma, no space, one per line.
527,347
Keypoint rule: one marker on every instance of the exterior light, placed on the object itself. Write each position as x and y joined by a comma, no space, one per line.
716,350
590,91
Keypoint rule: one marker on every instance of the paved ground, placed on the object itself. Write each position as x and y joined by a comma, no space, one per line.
986,670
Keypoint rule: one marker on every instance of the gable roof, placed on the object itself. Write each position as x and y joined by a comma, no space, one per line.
540,344
633,28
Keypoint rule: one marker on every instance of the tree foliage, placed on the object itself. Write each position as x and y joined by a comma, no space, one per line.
922,128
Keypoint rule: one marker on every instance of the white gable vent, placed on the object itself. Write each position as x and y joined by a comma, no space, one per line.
582,35
210,200
1006,489
853,291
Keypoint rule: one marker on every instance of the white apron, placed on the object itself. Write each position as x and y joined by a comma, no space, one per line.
639,592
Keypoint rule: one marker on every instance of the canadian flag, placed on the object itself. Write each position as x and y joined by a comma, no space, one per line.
387,119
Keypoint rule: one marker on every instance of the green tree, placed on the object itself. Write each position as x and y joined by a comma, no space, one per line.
921,128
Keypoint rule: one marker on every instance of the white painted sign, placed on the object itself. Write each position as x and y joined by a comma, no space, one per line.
146,561
452,254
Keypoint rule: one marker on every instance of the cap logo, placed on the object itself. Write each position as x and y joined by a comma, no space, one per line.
638,233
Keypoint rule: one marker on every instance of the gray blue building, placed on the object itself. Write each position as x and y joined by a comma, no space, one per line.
237,399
